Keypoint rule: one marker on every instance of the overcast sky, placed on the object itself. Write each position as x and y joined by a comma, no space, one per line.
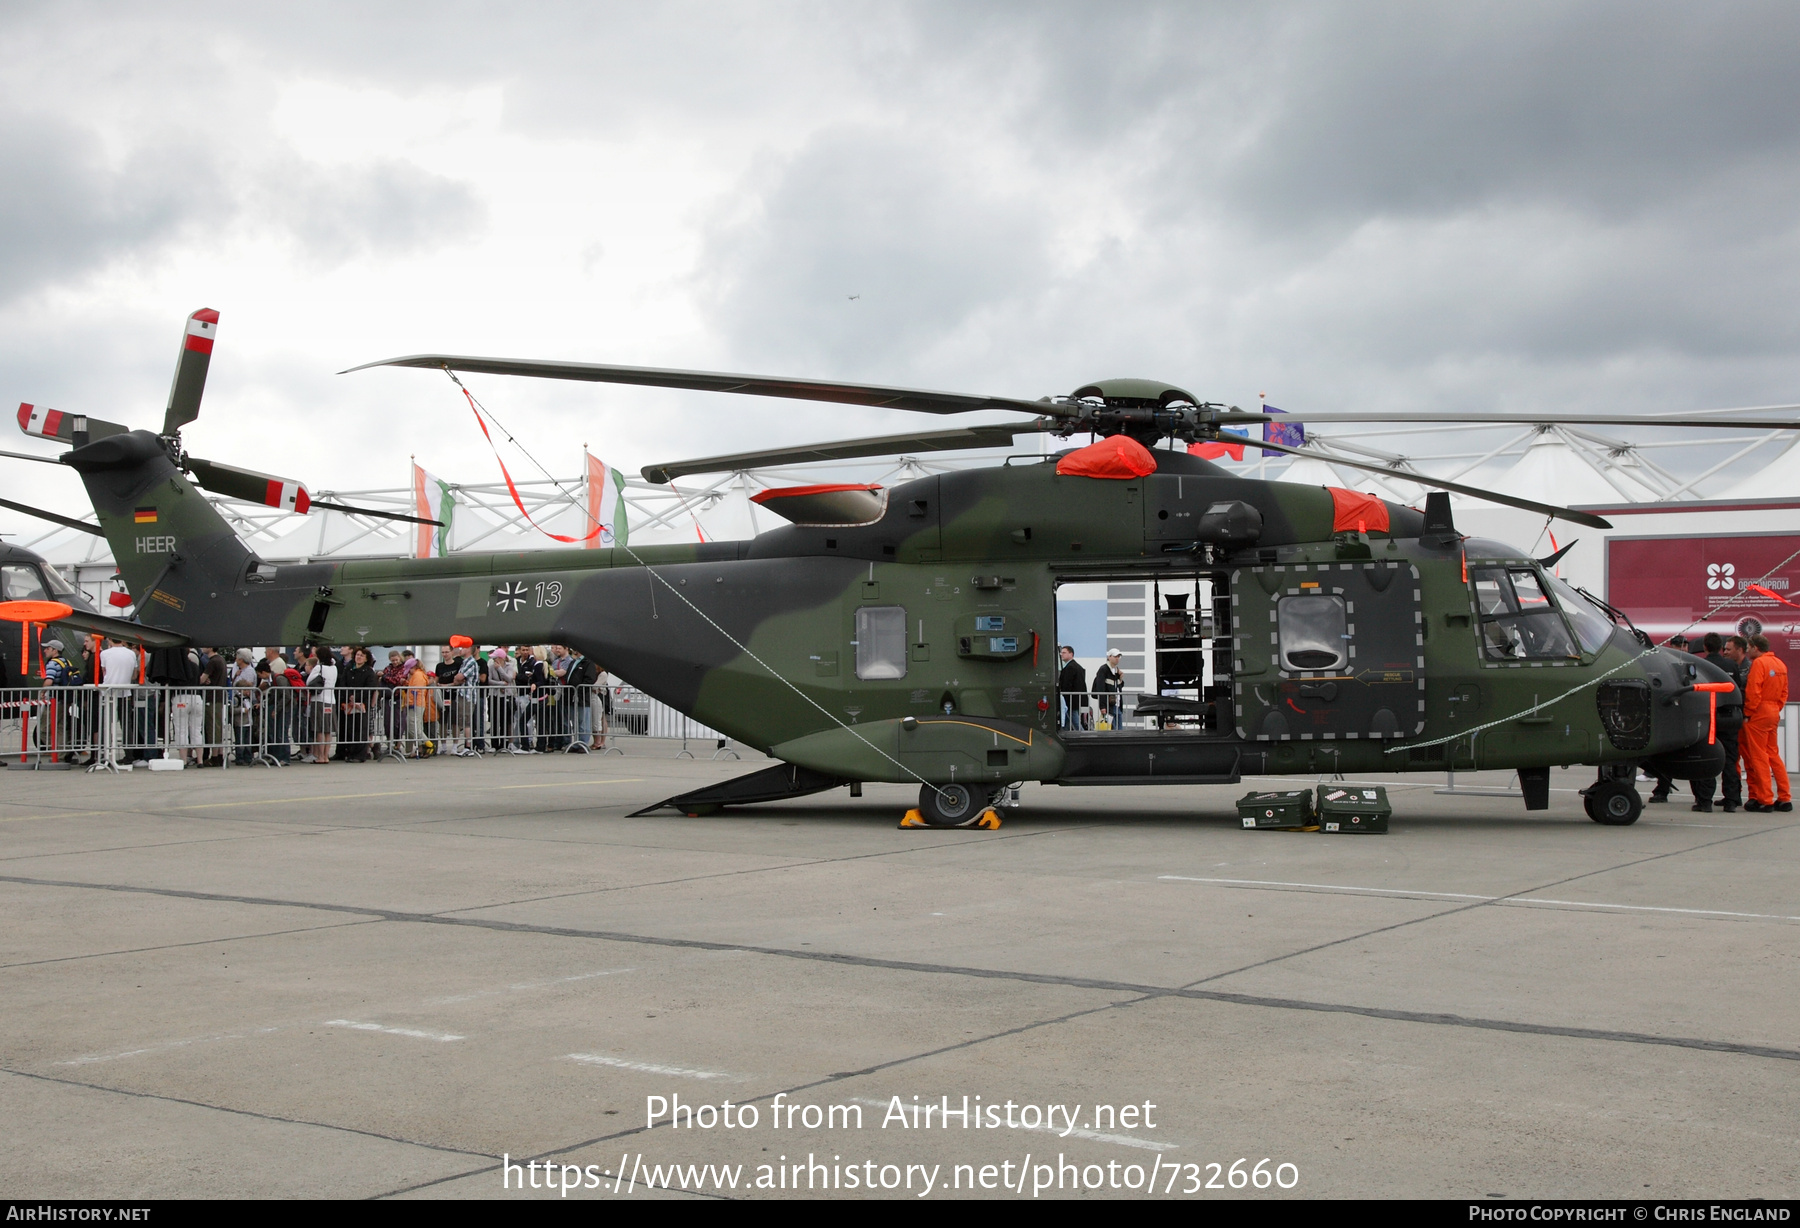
1422,206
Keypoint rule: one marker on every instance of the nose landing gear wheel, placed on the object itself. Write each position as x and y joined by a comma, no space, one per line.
947,805
1613,803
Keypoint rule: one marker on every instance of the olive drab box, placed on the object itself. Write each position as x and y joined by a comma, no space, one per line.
1288,808
1361,809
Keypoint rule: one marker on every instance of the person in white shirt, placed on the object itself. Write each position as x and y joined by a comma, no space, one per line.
118,668
321,681
118,665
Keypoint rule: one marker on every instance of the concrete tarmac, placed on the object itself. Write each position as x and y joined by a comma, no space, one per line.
379,980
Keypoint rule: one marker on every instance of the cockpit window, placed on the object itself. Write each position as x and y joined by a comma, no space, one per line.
19,582
1313,632
1518,620
1592,627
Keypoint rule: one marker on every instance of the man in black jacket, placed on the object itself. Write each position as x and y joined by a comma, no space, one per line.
1728,655
1071,684
580,680
533,686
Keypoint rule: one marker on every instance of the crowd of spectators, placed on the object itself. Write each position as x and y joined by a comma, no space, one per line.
319,704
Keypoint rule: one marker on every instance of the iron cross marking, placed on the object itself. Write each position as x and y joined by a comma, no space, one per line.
510,596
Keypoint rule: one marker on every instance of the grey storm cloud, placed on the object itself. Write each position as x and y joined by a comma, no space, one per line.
124,132
1444,198
387,207
1406,205
873,247
64,211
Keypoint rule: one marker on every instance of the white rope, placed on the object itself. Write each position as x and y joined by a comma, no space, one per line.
1595,681
735,642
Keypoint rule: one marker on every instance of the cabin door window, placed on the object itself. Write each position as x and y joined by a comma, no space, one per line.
880,642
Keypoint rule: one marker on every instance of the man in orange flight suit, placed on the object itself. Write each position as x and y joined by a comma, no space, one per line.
1765,692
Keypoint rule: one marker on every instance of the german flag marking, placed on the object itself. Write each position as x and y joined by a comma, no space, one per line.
144,515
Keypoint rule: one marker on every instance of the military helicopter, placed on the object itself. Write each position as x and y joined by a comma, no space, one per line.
907,635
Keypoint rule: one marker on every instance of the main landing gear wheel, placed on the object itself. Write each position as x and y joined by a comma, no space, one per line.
948,805
1613,803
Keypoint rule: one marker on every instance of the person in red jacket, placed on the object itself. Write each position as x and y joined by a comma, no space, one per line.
1765,694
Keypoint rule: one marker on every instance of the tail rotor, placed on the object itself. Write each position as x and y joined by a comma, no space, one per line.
190,371
185,393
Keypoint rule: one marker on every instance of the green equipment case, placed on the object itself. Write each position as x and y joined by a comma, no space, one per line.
1288,808
1361,809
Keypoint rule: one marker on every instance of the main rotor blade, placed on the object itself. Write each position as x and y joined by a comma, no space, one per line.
1547,509
1726,418
369,511
42,460
719,381
997,436
190,370
66,521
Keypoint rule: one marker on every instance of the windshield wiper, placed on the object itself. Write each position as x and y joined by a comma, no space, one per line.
1616,614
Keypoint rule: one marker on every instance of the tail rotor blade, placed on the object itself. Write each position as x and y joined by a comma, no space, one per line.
250,486
190,370
42,422
283,493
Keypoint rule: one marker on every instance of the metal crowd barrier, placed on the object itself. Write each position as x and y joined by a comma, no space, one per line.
112,726
108,728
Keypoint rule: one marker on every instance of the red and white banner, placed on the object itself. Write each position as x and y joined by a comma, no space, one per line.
1744,585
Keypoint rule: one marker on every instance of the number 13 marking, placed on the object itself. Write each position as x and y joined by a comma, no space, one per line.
549,592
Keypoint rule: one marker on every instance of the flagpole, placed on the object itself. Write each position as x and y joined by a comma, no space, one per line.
1262,463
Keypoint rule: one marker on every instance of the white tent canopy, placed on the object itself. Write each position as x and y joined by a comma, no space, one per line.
1779,479
1554,471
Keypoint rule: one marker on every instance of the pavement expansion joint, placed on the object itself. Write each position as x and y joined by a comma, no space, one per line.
223,1108
1188,991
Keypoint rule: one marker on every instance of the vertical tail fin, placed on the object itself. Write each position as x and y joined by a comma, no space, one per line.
172,546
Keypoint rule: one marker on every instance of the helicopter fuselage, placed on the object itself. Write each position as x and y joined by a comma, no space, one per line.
920,645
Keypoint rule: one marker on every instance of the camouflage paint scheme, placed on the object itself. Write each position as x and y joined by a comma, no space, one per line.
988,542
